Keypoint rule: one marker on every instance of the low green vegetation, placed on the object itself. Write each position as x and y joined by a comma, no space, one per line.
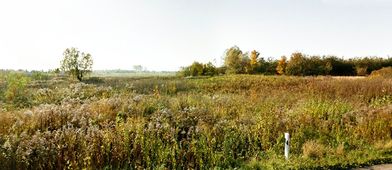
15,88
231,121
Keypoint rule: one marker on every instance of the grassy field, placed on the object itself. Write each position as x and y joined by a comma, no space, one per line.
201,123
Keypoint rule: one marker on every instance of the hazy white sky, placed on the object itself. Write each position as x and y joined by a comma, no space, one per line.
167,34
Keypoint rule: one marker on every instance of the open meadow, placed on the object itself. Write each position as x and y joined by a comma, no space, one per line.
232,121
195,84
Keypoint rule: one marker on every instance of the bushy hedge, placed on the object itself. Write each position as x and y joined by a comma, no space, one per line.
199,69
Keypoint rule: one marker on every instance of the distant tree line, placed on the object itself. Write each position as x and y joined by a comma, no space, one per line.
299,64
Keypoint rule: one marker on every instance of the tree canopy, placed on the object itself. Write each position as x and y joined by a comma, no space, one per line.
76,64
238,62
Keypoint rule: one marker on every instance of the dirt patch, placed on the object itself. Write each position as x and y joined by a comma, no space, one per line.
376,167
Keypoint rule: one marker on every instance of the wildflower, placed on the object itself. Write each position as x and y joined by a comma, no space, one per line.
28,112
137,98
7,145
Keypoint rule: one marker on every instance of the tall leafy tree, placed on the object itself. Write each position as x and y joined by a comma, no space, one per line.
196,69
245,64
282,63
76,64
254,61
233,60
296,65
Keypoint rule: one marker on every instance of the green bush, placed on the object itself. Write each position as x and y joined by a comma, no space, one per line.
199,69
38,75
16,92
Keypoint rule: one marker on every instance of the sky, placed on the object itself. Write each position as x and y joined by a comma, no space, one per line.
163,35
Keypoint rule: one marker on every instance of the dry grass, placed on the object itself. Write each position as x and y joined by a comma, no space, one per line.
313,149
193,123
385,72
340,150
383,145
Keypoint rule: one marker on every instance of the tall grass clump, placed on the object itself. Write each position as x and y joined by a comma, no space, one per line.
385,72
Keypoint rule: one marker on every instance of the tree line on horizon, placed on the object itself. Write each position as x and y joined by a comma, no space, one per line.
299,64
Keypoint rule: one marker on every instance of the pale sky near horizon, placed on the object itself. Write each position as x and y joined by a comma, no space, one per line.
168,34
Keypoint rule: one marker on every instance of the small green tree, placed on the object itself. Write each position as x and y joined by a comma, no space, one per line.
233,60
138,68
196,69
56,71
76,64
209,69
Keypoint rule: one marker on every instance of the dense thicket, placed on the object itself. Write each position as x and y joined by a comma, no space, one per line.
299,64
199,69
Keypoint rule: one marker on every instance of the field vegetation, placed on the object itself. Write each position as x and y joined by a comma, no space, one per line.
231,121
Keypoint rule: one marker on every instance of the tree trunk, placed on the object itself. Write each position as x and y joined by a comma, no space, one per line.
79,76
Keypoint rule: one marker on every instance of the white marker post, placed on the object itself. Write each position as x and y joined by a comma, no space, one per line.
286,145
